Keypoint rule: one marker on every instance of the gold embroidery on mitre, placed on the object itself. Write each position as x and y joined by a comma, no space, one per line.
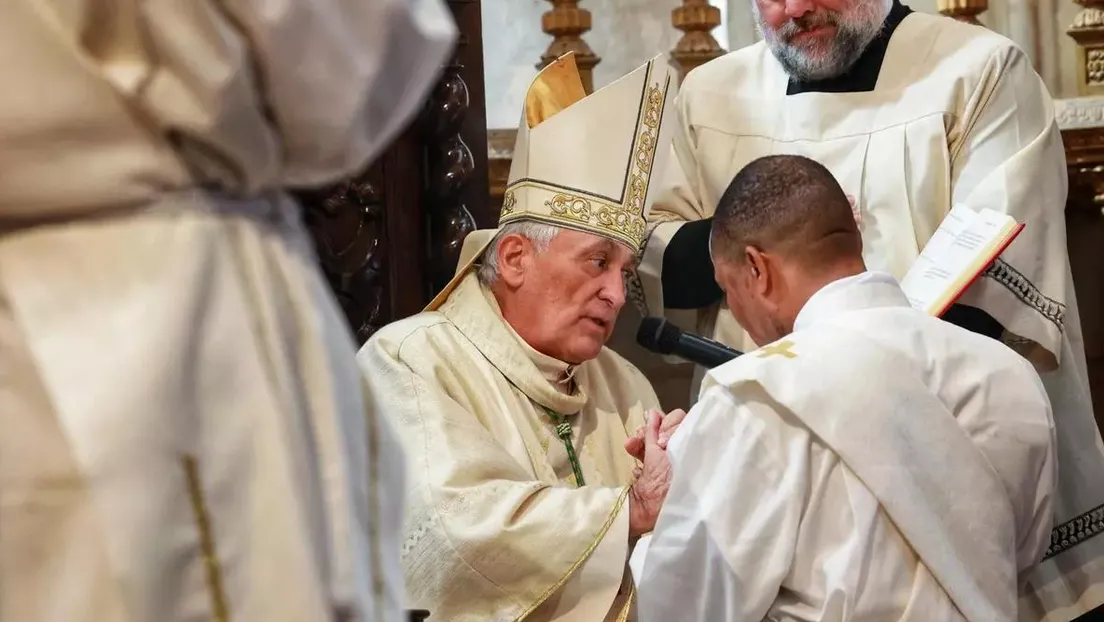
782,348
571,207
509,200
577,209
647,136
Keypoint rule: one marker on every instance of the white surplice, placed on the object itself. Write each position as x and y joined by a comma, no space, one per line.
958,116
886,466
496,527
183,424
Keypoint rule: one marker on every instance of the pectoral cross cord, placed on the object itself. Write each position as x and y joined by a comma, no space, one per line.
563,430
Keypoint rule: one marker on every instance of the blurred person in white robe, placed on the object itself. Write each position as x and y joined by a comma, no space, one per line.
913,114
869,462
522,502
185,432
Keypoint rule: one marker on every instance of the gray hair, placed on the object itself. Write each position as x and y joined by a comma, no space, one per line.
539,233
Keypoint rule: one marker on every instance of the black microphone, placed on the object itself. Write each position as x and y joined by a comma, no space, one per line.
660,336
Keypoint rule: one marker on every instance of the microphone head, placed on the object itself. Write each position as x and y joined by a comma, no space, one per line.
658,335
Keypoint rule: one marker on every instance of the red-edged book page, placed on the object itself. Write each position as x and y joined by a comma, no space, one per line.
960,250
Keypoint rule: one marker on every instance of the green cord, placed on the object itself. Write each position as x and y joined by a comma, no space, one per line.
563,430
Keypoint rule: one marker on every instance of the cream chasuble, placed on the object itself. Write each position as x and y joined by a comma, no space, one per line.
802,494
496,527
958,116
184,432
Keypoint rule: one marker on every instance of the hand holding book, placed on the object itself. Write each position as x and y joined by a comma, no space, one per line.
963,246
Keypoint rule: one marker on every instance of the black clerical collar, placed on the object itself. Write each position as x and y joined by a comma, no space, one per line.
863,75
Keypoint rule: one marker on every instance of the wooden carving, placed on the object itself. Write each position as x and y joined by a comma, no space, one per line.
500,155
963,10
566,22
1082,123
696,19
1088,31
451,166
347,224
370,232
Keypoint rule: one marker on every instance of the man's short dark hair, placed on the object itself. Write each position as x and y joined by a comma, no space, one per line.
788,205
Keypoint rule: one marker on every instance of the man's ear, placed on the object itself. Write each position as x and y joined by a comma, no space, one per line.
757,265
514,252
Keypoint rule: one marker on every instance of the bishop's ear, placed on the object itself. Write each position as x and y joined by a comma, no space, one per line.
514,259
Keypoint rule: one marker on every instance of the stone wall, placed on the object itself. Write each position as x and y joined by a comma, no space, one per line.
625,34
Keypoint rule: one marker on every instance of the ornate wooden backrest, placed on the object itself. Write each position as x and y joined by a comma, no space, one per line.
389,238
1082,123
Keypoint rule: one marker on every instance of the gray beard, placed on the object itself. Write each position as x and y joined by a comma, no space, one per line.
854,33
847,47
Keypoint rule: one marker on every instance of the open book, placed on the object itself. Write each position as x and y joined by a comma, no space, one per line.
963,246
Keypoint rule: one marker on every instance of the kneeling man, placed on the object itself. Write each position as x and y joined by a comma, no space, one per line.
871,463
514,416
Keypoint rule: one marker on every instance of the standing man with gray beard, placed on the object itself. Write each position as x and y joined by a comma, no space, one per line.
913,114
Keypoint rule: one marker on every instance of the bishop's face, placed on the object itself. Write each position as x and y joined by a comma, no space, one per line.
819,39
564,301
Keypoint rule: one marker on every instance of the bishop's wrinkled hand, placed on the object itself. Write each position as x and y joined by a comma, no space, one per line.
634,445
650,488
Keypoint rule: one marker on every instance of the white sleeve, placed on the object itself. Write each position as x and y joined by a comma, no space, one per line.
343,77
728,528
1007,155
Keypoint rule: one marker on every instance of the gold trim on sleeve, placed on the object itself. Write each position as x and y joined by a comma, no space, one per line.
375,550
627,609
617,507
213,568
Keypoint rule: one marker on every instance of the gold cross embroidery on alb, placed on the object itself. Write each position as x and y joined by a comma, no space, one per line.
782,348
